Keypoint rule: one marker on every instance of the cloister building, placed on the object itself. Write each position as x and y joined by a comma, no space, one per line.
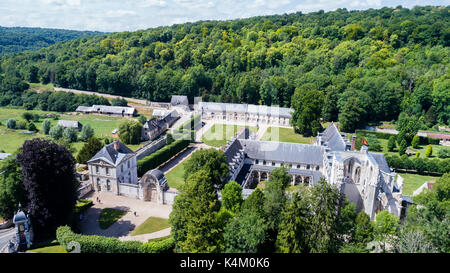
362,176
248,113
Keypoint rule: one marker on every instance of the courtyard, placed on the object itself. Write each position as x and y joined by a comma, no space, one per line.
129,222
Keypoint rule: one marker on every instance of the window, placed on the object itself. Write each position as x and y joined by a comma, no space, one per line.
307,167
256,161
298,166
273,163
107,170
108,185
96,169
128,164
317,168
264,162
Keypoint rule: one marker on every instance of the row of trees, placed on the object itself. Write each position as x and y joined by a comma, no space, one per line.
356,67
50,101
421,165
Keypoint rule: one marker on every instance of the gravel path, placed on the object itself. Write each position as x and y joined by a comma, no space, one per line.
123,227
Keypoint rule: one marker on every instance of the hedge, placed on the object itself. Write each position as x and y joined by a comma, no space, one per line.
102,244
191,124
381,135
162,155
421,165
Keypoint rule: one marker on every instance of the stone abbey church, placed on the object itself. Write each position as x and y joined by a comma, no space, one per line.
364,177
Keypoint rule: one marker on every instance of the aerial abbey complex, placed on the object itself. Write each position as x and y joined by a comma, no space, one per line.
362,176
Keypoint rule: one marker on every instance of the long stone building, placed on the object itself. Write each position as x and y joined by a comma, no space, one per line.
249,113
363,176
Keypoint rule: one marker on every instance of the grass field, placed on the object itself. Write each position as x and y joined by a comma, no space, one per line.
109,216
159,239
11,140
413,181
421,149
285,135
175,176
219,134
150,225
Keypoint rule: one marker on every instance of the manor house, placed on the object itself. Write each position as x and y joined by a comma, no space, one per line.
363,176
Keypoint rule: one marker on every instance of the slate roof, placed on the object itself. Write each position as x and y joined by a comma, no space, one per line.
157,173
179,100
381,161
333,139
4,155
283,151
245,108
107,109
69,123
111,155
232,149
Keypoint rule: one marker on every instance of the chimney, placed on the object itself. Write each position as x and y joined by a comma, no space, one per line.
116,145
353,143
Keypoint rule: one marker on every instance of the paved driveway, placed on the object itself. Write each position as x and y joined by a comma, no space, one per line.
123,227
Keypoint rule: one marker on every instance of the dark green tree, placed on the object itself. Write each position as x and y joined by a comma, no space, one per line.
89,149
211,160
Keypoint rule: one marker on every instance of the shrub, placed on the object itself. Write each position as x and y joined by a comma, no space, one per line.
443,153
402,148
391,144
86,132
162,246
142,119
11,124
46,126
71,134
22,124
157,158
101,244
56,132
415,142
32,127
429,151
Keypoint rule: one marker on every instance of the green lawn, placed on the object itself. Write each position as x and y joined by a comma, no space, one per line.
11,140
413,181
150,225
49,249
219,134
109,216
50,246
285,135
175,176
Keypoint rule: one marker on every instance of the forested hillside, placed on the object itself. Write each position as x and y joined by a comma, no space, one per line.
357,67
18,39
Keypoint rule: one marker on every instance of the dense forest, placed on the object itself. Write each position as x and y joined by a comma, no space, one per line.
357,67
18,39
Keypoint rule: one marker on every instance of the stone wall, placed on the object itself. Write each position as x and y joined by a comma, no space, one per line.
85,189
150,148
129,190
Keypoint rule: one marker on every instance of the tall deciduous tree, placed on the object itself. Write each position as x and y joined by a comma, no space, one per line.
193,217
12,191
245,233
86,132
130,132
52,193
307,102
211,160
232,197
89,149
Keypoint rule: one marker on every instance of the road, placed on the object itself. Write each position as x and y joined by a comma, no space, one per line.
5,236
